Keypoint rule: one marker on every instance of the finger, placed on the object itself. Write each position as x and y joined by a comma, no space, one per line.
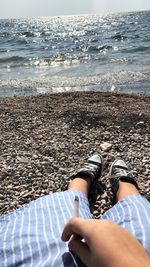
81,250
74,226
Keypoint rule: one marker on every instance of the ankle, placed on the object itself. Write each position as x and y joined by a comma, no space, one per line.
126,189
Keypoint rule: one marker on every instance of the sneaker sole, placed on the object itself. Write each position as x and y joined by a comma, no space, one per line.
102,162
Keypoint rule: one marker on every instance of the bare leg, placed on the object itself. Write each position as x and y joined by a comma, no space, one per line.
80,184
83,185
126,189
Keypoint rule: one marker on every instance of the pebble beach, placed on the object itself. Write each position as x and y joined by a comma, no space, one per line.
44,139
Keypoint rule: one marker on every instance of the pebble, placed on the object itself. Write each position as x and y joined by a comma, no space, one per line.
105,146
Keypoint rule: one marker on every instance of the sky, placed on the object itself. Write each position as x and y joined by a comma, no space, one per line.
36,8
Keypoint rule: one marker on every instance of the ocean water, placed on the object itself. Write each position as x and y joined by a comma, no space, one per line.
75,53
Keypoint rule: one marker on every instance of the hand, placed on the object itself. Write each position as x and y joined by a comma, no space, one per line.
105,244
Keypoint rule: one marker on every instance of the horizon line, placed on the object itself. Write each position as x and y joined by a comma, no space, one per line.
80,14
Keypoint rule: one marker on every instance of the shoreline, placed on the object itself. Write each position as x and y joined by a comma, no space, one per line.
45,138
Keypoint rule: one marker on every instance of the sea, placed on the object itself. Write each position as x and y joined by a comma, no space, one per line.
97,52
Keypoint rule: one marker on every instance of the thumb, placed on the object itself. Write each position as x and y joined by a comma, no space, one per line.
81,250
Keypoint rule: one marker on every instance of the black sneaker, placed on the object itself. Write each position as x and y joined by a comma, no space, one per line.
91,169
119,172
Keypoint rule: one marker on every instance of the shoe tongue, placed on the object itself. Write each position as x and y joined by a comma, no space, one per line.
94,162
121,167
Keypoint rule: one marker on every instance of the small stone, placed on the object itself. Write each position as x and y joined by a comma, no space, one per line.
95,213
105,146
22,159
103,202
104,195
2,197
140,123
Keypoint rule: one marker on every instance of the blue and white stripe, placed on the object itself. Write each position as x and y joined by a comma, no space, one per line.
31,236
134,214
